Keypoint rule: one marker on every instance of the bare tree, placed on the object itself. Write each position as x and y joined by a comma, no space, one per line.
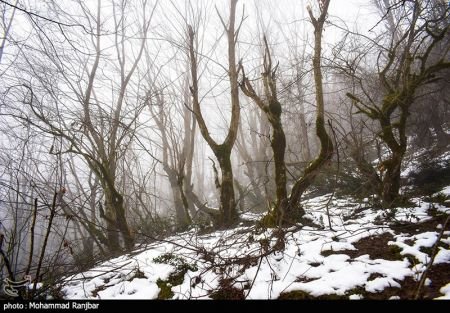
326,144
32,222
289,209
228,212
100,129
176,152
404,67
270,105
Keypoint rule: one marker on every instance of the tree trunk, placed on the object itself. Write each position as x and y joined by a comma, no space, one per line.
122,223
326,144
391,179
181,206
116,221
278,144
311,172
189,144
178,203
227,198
272,109
221,151
111,224
187,205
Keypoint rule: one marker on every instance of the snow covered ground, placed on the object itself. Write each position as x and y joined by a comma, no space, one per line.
258,265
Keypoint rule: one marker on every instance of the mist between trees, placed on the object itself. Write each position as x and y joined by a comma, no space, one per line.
123,122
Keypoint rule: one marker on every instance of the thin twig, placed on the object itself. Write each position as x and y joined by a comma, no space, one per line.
33,223
6,259
433,255
44,245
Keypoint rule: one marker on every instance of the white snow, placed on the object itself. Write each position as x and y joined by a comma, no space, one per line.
443,256
446,191
446,291
378,284
315,261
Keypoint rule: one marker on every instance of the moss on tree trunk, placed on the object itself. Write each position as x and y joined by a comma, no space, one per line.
116,221
228,211
293,209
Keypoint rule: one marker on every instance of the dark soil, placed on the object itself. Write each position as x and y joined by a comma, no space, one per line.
227,291
377,248
416,228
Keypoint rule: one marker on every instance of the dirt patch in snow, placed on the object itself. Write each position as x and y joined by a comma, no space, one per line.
416,228
375,246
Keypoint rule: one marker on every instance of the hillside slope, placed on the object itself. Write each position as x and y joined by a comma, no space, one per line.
367,255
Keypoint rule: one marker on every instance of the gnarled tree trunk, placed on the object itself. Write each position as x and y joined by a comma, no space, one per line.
228,212
272,109
293,210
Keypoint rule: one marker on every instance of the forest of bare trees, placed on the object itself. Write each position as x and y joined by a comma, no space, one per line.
123,122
